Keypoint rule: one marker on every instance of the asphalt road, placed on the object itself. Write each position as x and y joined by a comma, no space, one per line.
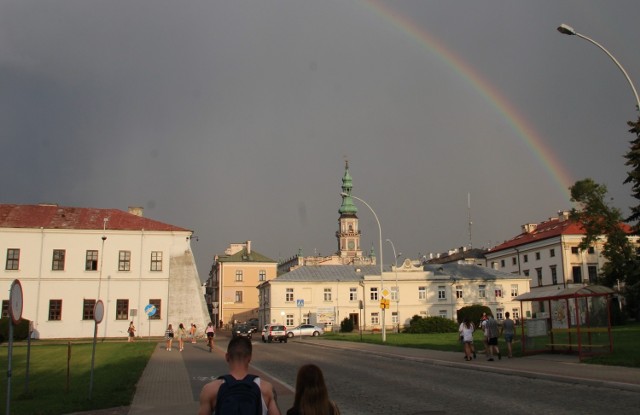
362,383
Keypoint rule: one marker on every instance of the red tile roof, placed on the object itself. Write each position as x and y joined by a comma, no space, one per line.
62,217
544,230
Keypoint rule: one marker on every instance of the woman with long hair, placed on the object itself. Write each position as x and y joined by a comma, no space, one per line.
312,397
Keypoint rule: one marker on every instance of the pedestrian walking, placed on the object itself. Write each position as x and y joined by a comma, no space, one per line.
508,331
168,335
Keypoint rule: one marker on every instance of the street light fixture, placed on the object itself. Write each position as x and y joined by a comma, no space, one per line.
568,30
395,259
343,194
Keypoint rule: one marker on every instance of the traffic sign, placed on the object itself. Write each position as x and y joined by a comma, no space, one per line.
15,301
300,303
150,309
98,311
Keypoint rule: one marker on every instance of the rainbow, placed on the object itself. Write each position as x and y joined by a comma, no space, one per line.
506,109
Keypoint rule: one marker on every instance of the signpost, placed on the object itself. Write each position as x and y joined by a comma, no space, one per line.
15,311
300,304
150,311
98,315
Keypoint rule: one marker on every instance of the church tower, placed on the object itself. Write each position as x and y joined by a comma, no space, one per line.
348,233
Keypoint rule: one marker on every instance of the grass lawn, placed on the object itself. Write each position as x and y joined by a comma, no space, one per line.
625,343
118,366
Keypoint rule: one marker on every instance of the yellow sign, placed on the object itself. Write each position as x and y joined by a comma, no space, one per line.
385,303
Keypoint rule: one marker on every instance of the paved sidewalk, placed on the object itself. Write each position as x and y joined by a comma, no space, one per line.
166,388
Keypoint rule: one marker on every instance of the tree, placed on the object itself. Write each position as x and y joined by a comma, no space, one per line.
601,220
633,176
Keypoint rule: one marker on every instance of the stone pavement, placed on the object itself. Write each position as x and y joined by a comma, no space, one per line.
166,386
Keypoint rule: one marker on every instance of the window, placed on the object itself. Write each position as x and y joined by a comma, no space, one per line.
514,290
5,308
593,273
459,292
525,272
577,274
375,319
353,294
156,261
91,263
442,313
289,320
552,252
394,293
157,303
574,250
87,309
525,258
288,296
554,275
55,309
239,275
327,294
498,291
539,275
238,297
515,313
422,293
394,317
262,275
514,261
373,294
502,263
442,293
591,250
537,256
58,260
122,309
499,313
124,261
482,291
13,259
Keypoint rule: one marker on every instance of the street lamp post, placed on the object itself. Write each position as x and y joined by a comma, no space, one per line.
568,30
384,331
395,260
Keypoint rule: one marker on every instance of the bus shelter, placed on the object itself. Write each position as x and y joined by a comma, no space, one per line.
575,320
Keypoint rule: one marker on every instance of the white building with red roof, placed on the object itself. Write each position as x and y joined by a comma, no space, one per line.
548,253
68,258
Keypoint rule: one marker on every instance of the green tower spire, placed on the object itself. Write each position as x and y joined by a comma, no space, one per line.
347,206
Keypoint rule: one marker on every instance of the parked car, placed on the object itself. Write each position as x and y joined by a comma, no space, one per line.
305,330
274,332
241,330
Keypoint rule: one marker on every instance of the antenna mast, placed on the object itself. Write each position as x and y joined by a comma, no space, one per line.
469,215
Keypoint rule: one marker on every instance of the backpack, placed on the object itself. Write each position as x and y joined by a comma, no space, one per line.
242,397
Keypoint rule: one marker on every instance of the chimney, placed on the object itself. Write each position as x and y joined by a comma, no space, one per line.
563,215
529,227
248,247
136,210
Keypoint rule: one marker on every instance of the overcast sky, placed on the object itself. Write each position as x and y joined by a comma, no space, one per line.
234,118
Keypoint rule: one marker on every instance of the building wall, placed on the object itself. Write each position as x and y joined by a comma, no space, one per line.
74,284
275,306
231,309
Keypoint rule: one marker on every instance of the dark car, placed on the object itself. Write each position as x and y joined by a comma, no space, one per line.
253,324
241,330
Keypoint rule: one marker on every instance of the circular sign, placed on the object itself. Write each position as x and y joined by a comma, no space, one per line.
98,311
150,310
15,301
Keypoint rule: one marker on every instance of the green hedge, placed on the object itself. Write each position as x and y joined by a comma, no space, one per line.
20,331
473,313
431,325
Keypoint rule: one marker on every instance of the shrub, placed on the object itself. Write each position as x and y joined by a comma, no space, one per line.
431,325
346,326
20,331
473,313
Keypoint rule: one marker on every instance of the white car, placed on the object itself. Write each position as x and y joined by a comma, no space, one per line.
305,330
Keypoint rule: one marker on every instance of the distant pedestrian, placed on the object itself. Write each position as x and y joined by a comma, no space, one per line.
131,333
182,334
210,333
466,333
168,335
192,333
312,397
492,338
483,326
508,330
